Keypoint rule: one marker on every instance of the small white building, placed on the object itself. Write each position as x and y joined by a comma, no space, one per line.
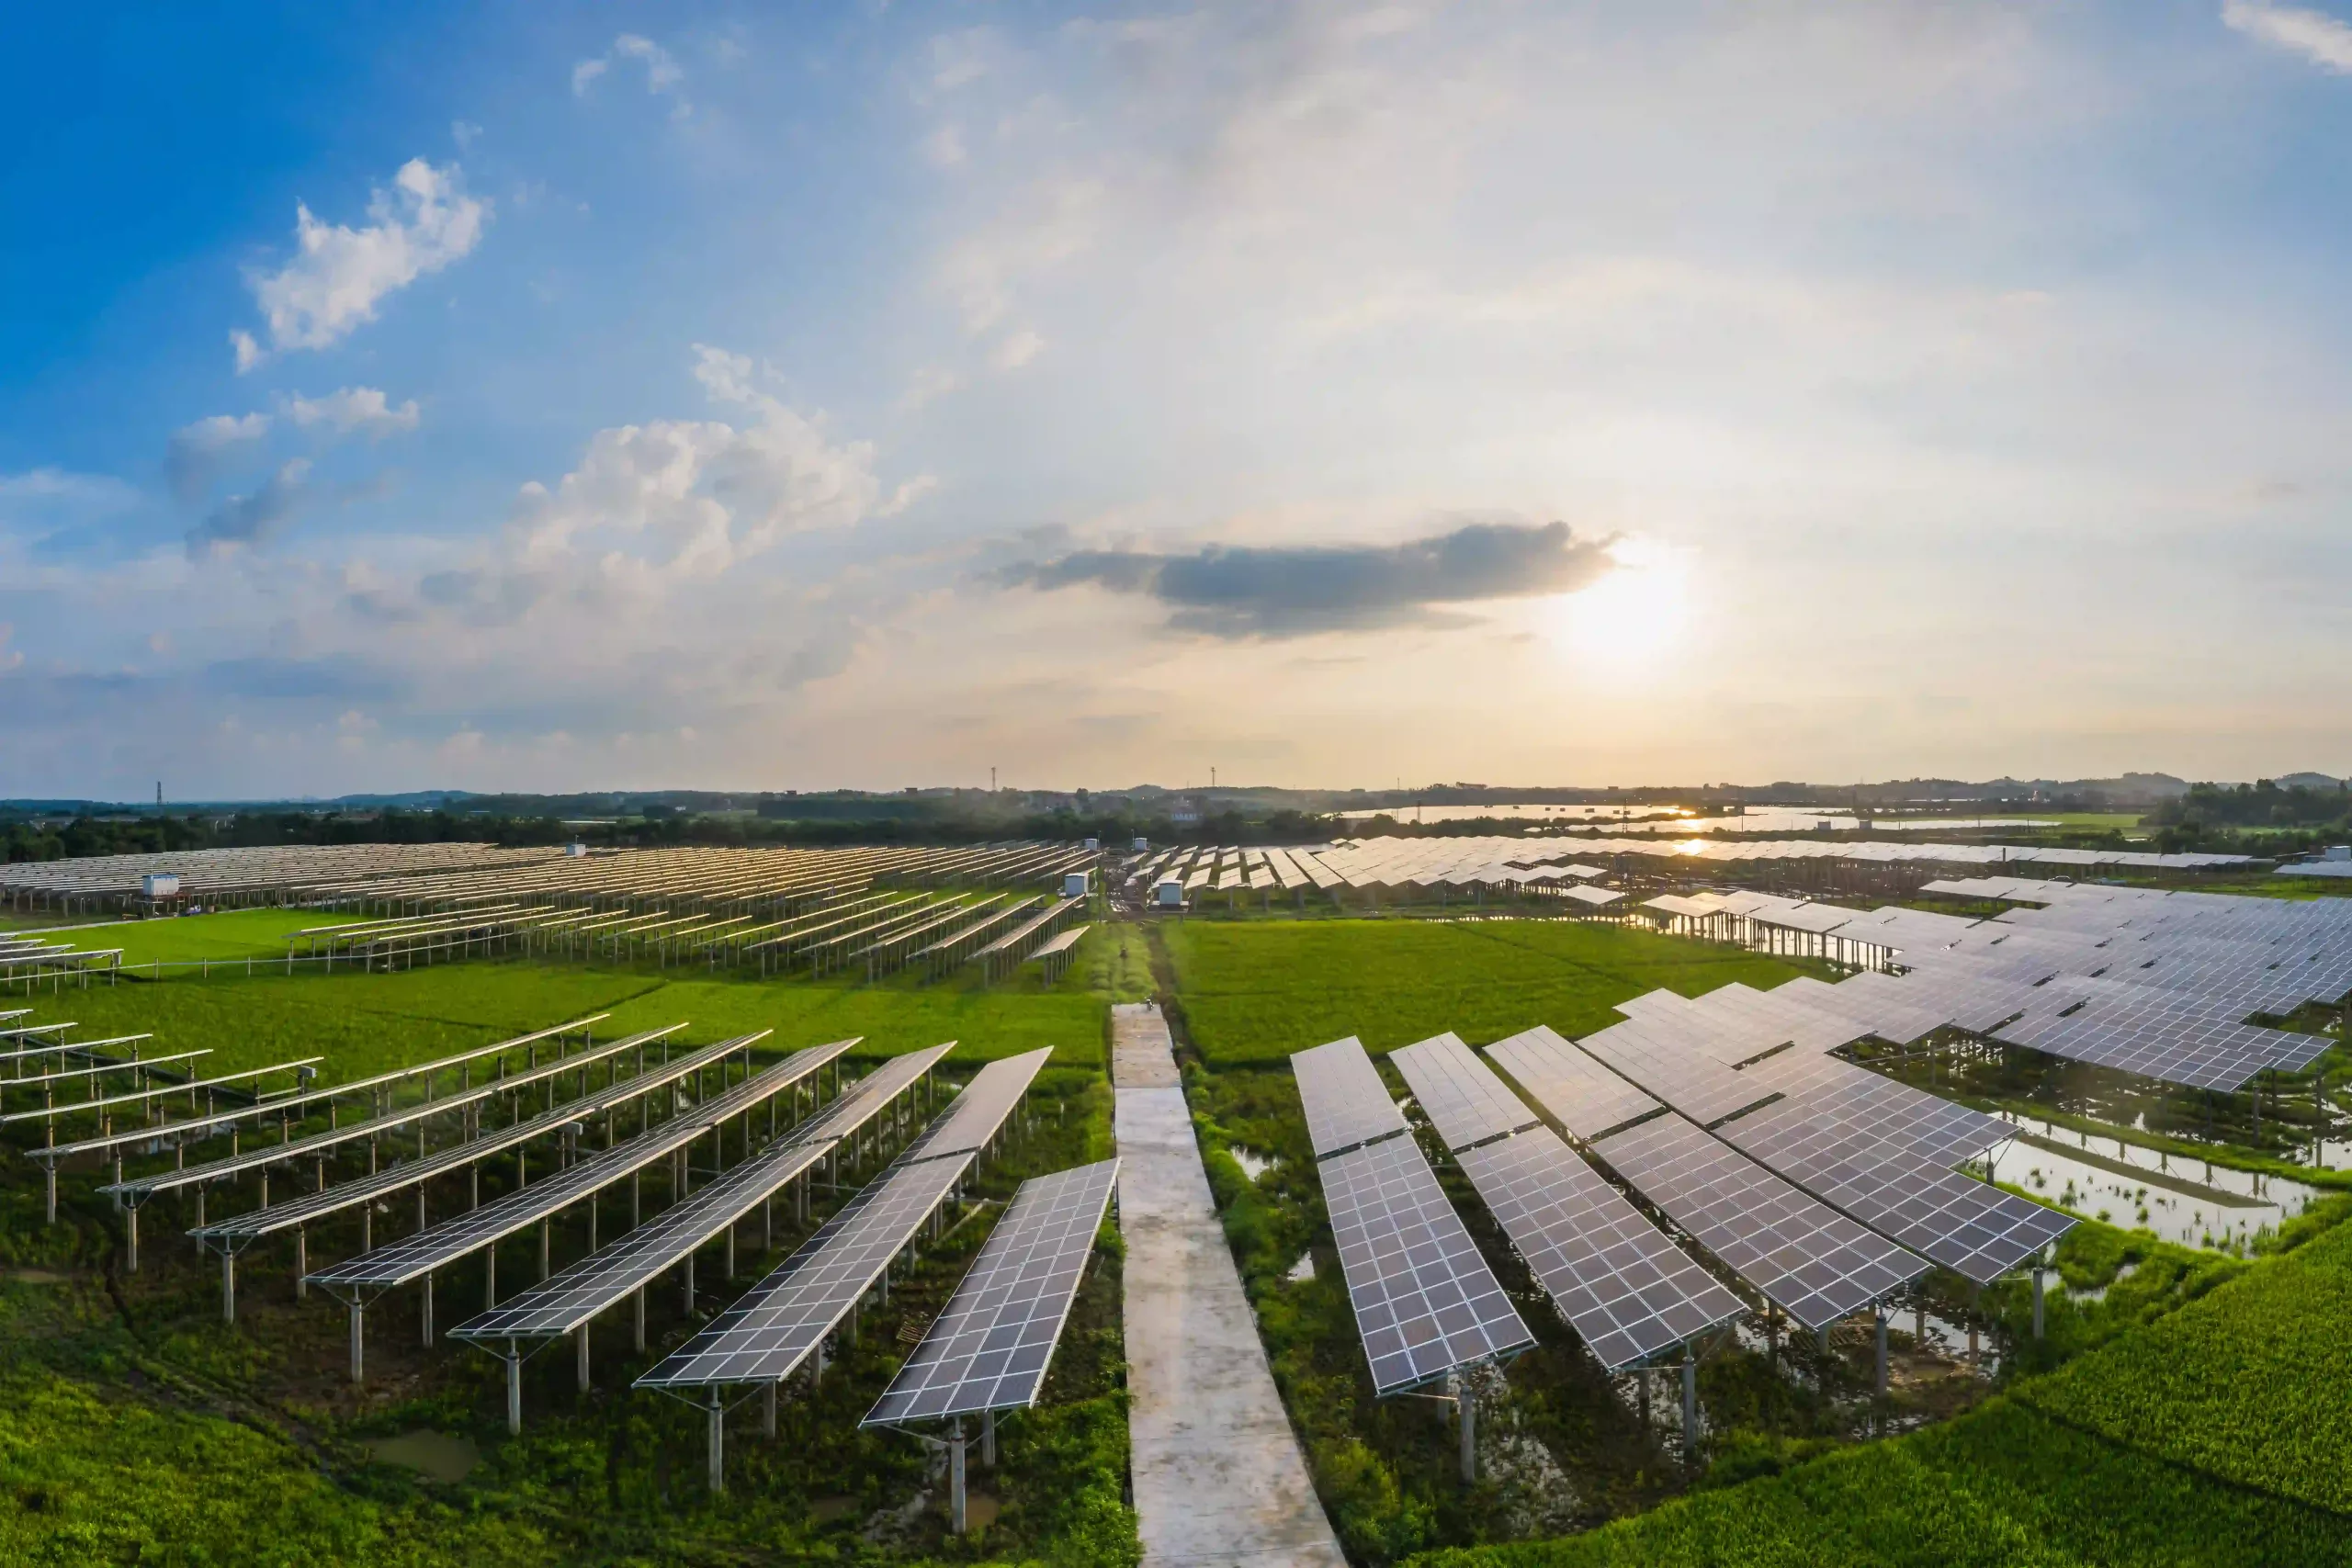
160,885
1094,846
1140,847
1074,885
575,848
1169,893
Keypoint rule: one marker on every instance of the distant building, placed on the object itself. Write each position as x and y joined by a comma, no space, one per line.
1186,812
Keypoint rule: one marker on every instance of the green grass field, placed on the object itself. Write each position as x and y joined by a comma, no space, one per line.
1255,992
232,935
142,1429
365,1023
2189,1414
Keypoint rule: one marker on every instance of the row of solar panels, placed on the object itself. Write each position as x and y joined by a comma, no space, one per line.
1824,1186
2135,980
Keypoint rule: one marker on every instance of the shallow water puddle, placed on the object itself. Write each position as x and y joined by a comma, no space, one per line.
2184,1200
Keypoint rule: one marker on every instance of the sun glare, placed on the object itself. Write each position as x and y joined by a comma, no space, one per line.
1636,615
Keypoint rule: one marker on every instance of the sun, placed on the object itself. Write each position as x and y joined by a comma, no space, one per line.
1638,615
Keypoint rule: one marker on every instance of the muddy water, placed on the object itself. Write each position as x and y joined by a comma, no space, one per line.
2184,1200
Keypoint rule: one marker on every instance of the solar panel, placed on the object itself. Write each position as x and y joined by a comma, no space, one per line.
1459,1094
1588,1100
981,1108
1345,1100
1664,1058
1627,1291
1814,1263
764,1337
574,1295
317,1143
1425,1301
1971,1227
414,1257
314,1206
989,1348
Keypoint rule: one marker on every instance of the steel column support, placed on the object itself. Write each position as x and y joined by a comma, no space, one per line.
359,1342
718,1445
956,1510
1690,1404
513,1391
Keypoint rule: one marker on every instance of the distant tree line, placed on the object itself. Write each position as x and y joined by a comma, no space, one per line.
28,839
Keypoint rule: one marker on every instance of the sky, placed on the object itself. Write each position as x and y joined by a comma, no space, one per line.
547,396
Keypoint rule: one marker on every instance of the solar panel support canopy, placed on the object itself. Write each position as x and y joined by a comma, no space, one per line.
569,1302
786,1320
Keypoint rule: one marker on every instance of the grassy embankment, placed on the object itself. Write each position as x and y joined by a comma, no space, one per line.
145,1430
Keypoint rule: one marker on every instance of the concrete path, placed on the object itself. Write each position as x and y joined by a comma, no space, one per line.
1219,1480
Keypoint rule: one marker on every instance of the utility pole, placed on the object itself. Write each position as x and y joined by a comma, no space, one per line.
991,781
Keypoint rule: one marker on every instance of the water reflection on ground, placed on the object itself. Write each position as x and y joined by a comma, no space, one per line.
2189,1202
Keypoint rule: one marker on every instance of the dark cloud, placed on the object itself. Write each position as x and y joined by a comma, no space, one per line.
253,519
1240,591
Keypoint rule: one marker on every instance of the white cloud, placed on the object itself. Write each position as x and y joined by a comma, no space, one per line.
421,225
462,132
2316,36
906,494
248,352
943,148
664,74
198,451
361,409
683,499
1017,350
932,381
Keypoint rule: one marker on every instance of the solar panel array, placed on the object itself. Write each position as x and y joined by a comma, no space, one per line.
1814,1263
1619,1282
412,1256
1346,1102
1425,1301
990,1346
574,1295
764,1337
1460,1095
1668,1060
398,1177
1855,1167
1587,1097
981,1108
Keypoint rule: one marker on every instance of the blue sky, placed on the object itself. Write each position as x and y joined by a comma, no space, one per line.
548,397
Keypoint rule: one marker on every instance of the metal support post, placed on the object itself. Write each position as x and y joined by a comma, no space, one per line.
580,1342
956,1514
2037,1300
690,1284
359,1342
988,1439
547,1234
131,1229
718,1445
228,1287
301,1263
1690,1404
767,1412
424,1309
637,1300
513,1391
1465,1406
1880,1316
